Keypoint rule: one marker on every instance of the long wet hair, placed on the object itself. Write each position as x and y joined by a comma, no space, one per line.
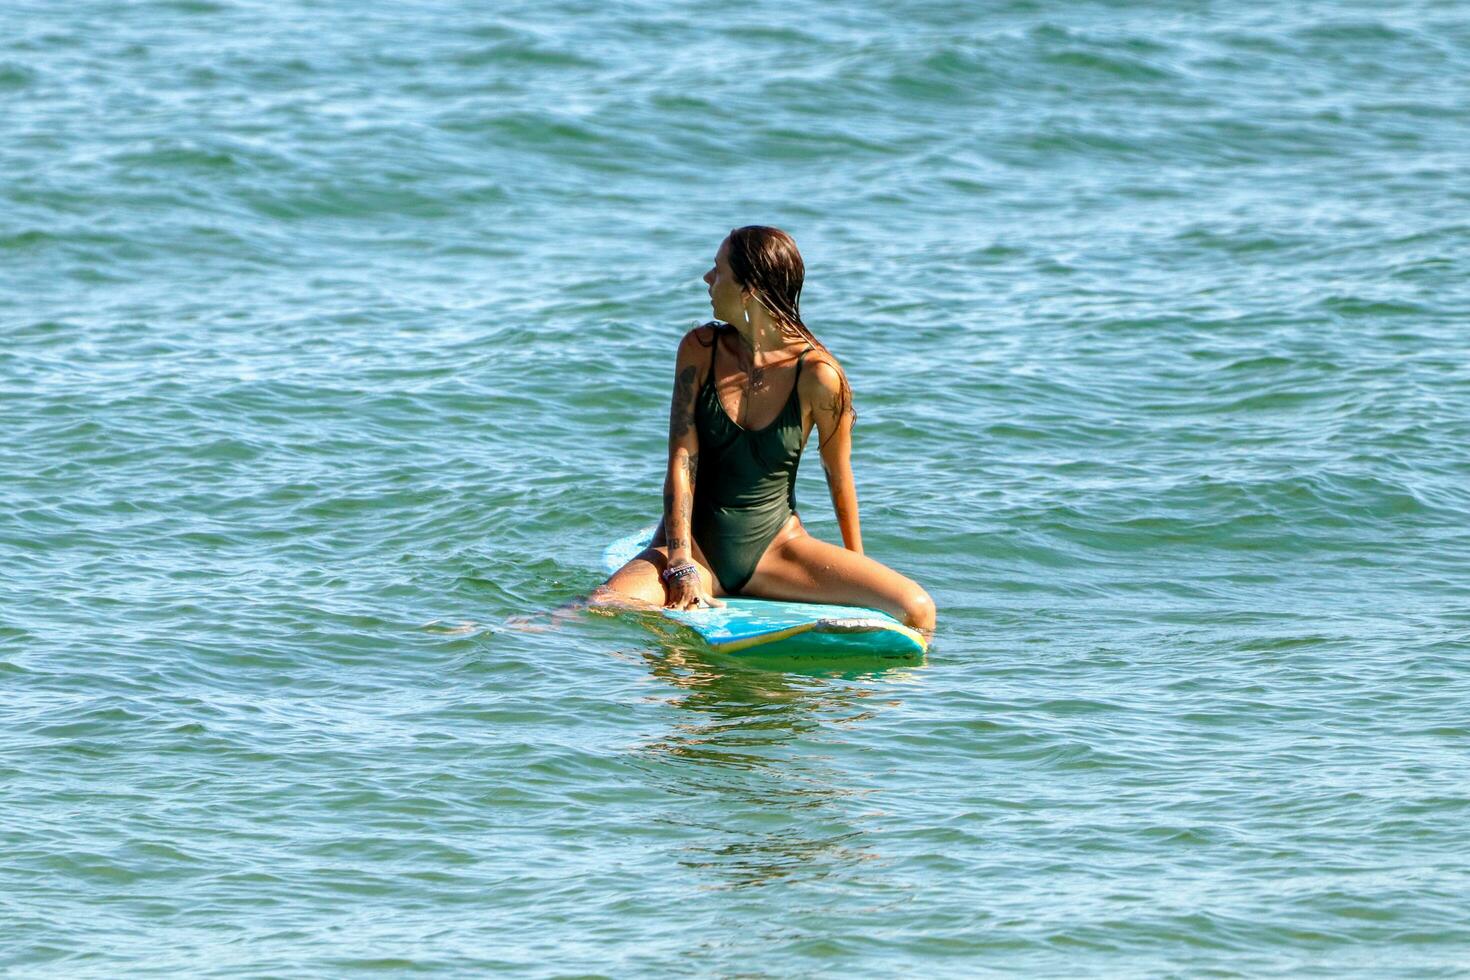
765,259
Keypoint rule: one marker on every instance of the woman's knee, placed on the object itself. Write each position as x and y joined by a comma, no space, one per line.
606,595
918,609
609,597
637,580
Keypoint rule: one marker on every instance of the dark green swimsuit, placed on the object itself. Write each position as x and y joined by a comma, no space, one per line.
745,488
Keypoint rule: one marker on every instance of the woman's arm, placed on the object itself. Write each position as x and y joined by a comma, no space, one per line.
683,450
834,434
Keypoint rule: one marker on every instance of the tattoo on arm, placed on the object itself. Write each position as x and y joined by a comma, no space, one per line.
678,507
677,519
827,413
681,410
832,406
681,507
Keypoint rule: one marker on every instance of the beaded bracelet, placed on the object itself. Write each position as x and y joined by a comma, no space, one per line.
679,571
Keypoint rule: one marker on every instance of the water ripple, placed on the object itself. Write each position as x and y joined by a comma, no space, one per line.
338,336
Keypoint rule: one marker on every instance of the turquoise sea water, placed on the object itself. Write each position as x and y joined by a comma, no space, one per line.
335,334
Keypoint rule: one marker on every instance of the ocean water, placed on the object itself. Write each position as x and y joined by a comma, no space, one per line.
335,335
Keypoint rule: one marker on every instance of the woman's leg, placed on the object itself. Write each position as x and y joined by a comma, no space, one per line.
639,578
801,568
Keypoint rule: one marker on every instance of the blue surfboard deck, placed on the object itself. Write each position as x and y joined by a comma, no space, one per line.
779,629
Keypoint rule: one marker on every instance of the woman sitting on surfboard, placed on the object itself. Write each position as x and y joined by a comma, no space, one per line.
748,388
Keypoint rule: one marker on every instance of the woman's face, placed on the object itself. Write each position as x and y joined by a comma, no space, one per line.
724,292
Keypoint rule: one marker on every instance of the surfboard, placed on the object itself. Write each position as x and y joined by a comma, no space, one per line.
769,627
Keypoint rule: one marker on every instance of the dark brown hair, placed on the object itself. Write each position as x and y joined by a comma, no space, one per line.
765,259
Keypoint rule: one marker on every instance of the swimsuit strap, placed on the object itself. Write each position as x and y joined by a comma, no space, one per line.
800,360
714,348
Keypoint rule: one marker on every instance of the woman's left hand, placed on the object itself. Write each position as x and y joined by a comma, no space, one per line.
687,592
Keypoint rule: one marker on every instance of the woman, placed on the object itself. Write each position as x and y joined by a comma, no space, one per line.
748,388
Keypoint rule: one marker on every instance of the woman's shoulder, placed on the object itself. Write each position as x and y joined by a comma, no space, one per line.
821,369
702,336
695,348
820,382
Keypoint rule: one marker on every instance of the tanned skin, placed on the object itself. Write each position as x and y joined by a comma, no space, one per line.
757,362
688,592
